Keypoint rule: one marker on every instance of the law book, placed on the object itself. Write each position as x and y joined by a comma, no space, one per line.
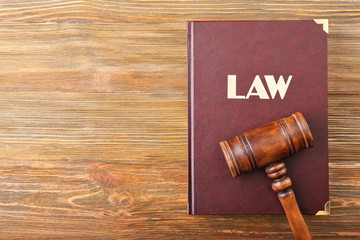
244,74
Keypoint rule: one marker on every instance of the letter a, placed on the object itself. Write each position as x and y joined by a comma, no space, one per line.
259,87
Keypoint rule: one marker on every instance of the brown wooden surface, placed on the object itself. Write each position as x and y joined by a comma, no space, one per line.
93,131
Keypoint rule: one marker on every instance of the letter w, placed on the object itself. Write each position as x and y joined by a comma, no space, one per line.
280,86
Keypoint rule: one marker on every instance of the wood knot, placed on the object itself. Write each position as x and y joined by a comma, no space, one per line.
103,178
121,199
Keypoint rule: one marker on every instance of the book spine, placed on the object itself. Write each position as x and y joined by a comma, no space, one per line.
190,206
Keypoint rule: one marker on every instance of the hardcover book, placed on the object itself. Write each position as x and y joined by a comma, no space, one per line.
244,74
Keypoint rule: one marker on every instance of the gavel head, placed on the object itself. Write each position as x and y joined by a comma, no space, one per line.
267,144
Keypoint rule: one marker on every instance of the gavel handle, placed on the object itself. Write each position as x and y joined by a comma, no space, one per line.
281,184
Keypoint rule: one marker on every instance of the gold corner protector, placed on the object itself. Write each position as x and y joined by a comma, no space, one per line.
326,210
324,22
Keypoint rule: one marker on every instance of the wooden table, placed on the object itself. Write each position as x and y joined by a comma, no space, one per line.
93,133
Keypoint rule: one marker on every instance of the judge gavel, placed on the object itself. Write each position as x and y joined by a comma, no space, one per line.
266,146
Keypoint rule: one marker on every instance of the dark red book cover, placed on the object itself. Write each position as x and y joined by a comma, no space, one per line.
244,74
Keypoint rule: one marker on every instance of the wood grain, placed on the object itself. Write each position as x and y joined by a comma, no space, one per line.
93,131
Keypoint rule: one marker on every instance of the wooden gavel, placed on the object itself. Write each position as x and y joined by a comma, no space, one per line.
266,146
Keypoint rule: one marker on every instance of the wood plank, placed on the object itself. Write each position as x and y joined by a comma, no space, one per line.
164,11
114,165
93,57
79,126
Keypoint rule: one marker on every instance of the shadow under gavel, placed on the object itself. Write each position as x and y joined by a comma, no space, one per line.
266,146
